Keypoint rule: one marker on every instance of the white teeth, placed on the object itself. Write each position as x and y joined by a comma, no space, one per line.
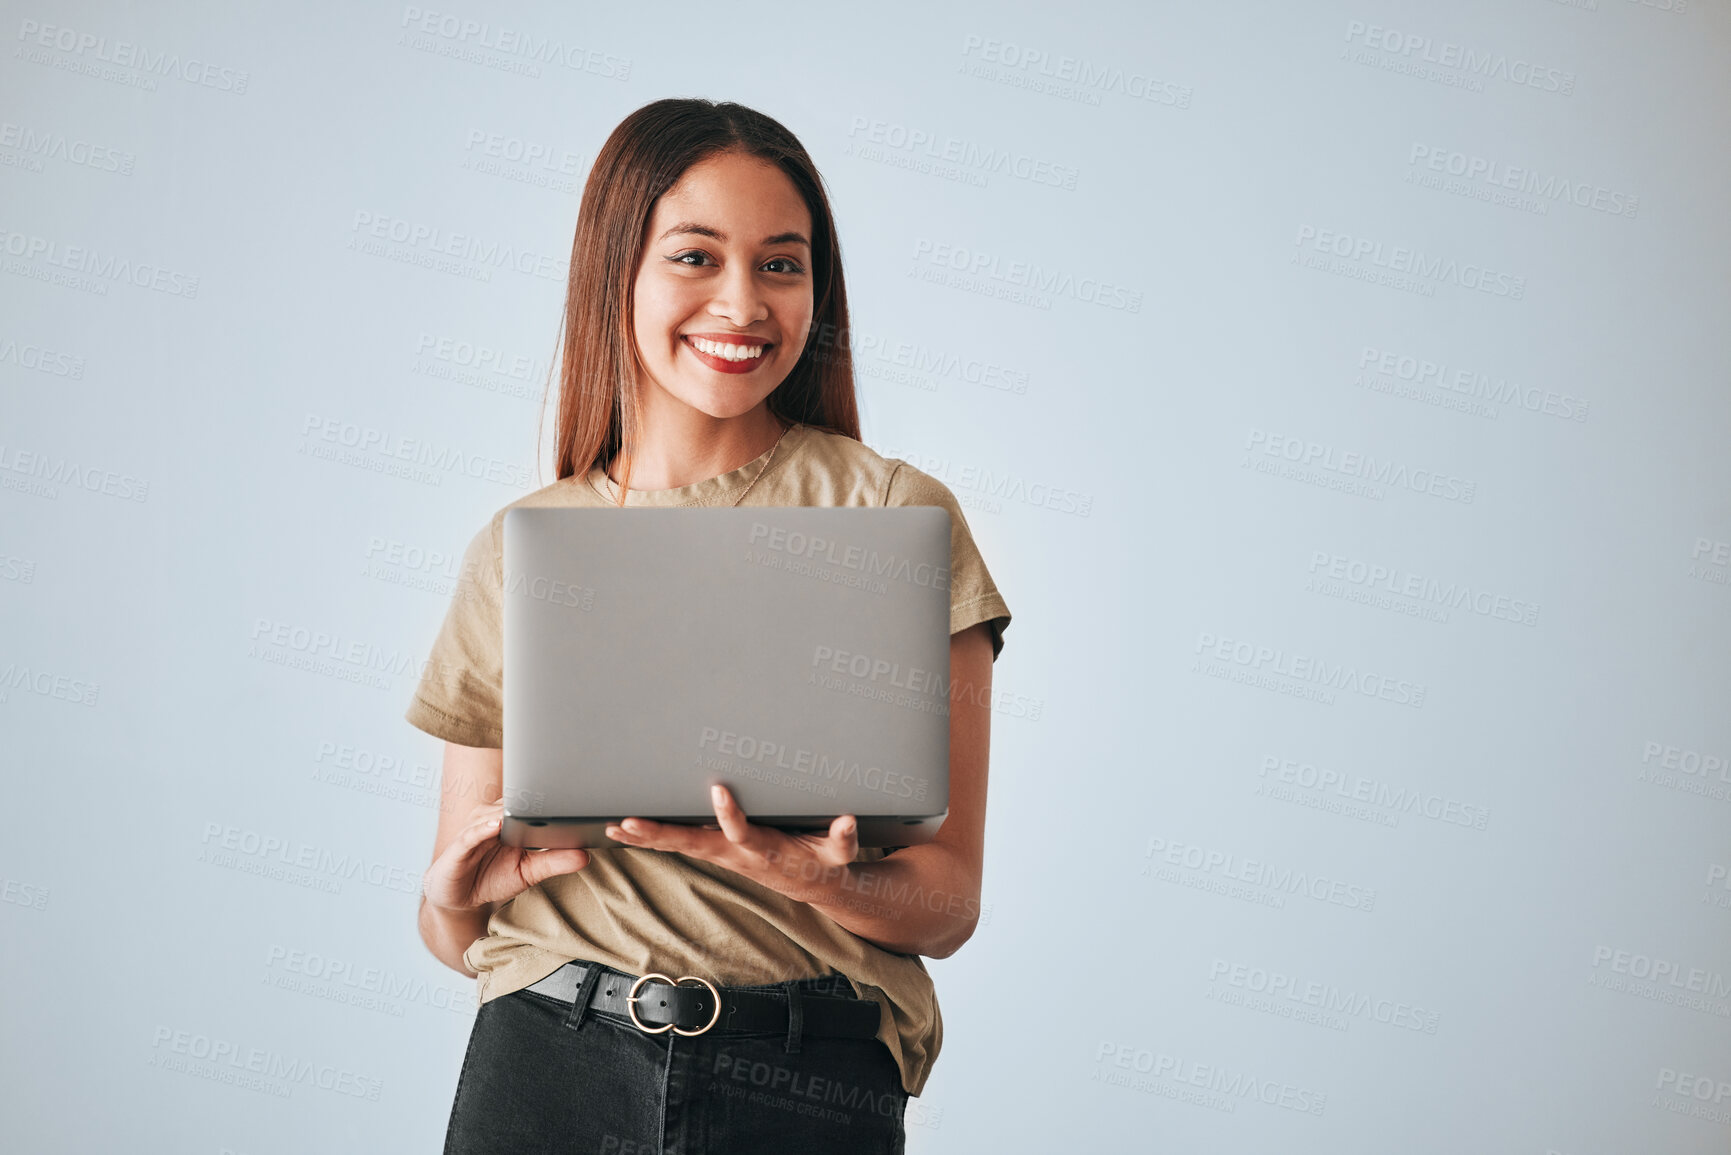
728,352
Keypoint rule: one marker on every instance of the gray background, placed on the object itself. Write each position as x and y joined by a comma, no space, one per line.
213,607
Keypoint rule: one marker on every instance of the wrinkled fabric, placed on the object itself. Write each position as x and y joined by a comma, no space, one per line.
642,911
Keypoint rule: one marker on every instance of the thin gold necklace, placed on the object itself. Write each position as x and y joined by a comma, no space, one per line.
613,487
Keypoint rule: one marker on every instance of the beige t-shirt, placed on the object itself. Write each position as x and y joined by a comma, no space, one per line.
642,910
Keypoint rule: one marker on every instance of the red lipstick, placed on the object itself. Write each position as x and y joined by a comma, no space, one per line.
723,364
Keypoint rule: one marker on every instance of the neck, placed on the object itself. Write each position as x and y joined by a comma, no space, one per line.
679,450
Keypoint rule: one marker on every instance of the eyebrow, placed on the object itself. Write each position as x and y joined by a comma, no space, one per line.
717,234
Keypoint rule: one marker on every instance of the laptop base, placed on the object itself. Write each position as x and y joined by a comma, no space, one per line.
539,832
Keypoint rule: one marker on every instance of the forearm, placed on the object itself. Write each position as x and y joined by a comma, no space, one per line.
448,933
922,900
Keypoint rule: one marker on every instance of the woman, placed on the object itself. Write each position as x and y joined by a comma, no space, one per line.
701,367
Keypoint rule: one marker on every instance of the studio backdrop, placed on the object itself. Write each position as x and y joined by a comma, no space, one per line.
1338,392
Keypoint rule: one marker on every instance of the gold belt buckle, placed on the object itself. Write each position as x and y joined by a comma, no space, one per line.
631,1001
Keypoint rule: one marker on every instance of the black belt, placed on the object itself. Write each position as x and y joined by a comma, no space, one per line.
693,1006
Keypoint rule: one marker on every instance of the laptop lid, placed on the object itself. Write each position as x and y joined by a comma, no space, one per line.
797,654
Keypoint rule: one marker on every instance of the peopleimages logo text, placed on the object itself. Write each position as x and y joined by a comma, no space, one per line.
1366,466
1078,70
1548,186
753,750
1307,668
1324,996
515,42
126,54
1472,383
1257,872
1448,54
812,547
96,263
1027,274
1401,259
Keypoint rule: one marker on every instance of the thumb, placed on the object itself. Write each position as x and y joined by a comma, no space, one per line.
546,863
844,840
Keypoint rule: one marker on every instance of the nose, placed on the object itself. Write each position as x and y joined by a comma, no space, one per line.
738,299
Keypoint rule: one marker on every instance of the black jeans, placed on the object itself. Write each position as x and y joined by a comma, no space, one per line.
532,1085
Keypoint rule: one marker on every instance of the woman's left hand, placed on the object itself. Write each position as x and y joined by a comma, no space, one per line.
801,866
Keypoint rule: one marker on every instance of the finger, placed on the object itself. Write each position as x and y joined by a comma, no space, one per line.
475,836
673,836
455,872
632,831
842,845
734,824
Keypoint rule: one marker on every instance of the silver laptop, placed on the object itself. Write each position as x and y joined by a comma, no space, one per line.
799,655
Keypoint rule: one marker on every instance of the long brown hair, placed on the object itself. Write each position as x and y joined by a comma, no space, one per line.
645,156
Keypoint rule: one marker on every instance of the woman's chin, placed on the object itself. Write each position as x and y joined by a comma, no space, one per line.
724,403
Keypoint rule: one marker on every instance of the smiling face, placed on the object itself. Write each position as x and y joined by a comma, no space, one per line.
723,294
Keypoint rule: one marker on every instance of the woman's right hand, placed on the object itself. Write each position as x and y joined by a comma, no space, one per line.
476,869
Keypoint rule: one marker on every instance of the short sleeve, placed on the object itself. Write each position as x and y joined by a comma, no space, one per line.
461,693
974,597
